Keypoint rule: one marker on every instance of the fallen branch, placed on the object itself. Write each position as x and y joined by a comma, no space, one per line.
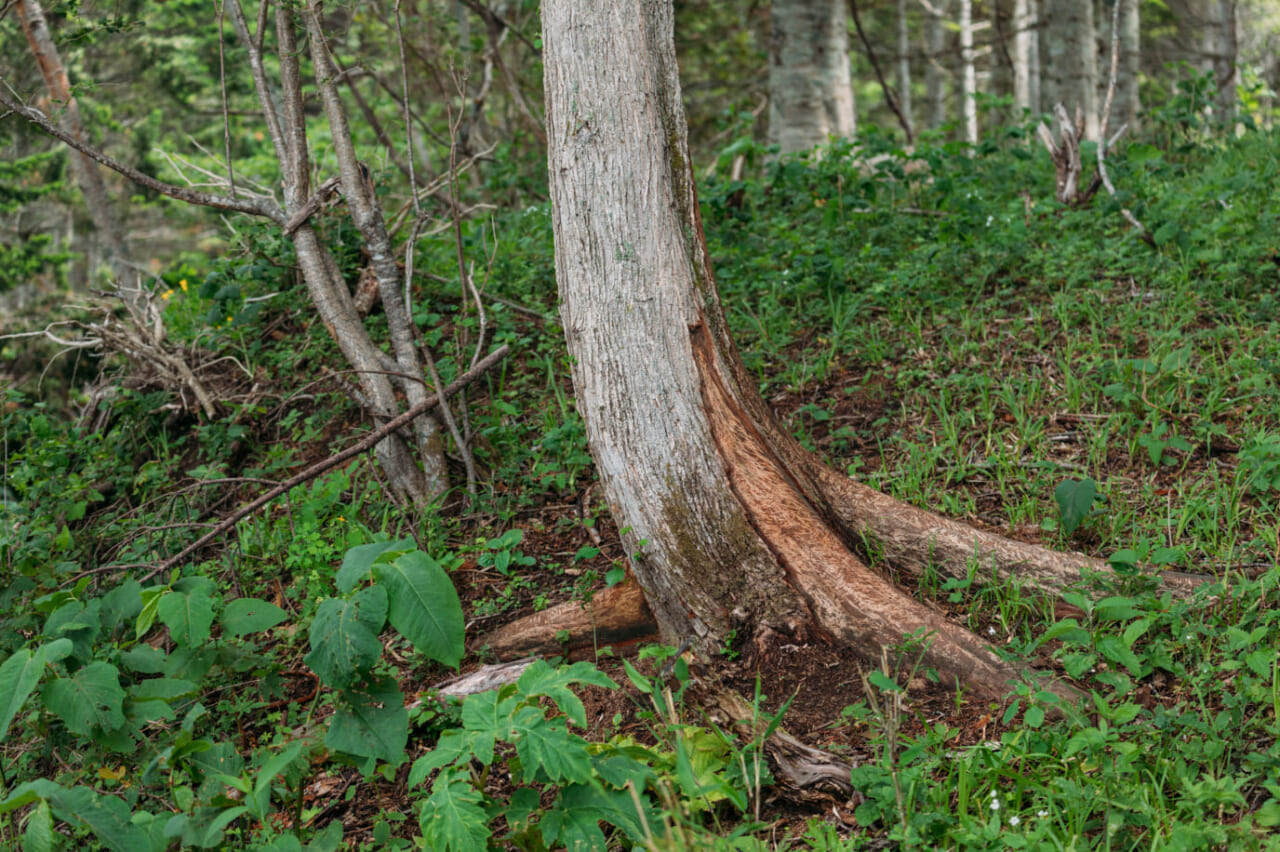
328,464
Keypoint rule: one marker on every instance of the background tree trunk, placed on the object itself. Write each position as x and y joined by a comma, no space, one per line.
1126,105
935,71
1023,34
810,91
1069,70
968,74
732,525
106,220
904,66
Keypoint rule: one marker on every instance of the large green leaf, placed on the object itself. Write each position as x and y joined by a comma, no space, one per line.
547,750
107,816
573,823
19,677
358,563
249,615
541,678
1075,499
88,701
424,605
374,723
188,616
344,636
451,818
487,719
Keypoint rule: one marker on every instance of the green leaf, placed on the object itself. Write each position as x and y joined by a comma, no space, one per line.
1114,649
573,822
261,799
1069,631
373,723
1075,499
188,617
540,678
487,719
150,606
344,637
451,746
547,749
19,677
38,836
452,819
107,816
1034,717
88,701
359,561
883,682
249,615
424,606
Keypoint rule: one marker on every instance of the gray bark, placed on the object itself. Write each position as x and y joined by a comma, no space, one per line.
366,213
810,89
1126,105
1023,34
935,71
904,66
1070,59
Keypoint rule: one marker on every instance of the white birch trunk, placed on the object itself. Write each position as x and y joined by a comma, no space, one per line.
810,89
969,80
1021,55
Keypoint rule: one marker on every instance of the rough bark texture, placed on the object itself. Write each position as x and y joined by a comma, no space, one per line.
1069,73
810,92
904,66
729,526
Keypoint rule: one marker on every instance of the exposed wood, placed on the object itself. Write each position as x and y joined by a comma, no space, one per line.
617,616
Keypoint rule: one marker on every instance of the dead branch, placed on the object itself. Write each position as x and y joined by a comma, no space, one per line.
890,96
315,470
253,206
1103,142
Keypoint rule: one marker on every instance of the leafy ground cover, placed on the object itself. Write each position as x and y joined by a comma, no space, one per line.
931,320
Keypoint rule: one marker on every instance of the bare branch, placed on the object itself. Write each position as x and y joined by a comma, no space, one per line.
255,207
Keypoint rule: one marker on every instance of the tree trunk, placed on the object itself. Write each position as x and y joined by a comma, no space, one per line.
732,525
968,75
810,91
1070,64
88,177
1126,105
1021,55
904,68
1225,50
935,71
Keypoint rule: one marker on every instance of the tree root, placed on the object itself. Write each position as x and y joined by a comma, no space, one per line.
617,616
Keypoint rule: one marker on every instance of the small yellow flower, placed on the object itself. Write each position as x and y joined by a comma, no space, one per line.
228,320
183,285
166,294
341,520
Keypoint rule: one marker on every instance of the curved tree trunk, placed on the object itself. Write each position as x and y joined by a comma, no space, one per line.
810,91
733,526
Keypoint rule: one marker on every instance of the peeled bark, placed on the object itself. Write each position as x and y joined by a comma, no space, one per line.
731,525
810,90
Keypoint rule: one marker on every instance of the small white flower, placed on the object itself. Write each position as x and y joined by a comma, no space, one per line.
1042,813
995,804
991,631
1013,820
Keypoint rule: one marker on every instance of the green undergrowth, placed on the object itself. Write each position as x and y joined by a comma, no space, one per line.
932,321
